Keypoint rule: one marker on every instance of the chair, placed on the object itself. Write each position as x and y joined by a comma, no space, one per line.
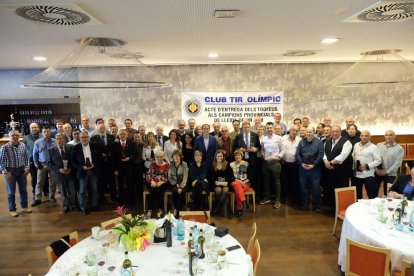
198,216
389,185
407,169
410,150
250,193
145,194
210,198
256,256
406,269
344,197
167,195
404,147
250,245
112,222
57,248
366,260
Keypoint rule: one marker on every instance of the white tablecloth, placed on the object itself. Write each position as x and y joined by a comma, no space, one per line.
156,260
361,225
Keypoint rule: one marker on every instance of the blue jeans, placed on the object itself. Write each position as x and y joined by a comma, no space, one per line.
20,178
310,179
92,180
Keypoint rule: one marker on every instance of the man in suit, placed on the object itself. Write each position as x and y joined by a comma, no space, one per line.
207,144
191,126
226,143
60,164
159,136
216,130
248,143
123,153
87,160
106,179
130,130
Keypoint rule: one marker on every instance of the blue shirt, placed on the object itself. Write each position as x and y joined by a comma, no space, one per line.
306,149
41,150
12,156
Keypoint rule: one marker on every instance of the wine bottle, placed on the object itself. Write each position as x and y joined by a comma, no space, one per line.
126,264
88,163
358,164
191,257
201,241
168,230
404,205
190,244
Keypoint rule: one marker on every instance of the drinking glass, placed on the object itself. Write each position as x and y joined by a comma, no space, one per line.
405,221
91,256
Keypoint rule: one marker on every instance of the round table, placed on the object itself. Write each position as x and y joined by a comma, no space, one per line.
361,224
157,259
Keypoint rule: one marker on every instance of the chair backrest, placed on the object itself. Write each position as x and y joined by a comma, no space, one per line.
407,169
256,256
250,245
344,197
410,150
366,260
105,225
389,185
198,216
57,248
406,268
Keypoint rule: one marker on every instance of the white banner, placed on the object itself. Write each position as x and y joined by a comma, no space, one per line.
224,107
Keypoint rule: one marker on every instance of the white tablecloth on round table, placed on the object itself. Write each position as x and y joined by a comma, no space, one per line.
156,260
361,225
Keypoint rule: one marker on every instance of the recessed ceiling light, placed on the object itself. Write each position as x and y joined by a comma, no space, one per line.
213,55
329,40
39,58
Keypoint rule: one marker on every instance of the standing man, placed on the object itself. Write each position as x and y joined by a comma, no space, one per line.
248,143
41,158
391,155
327,121
159,136
309,157
366,157
29,141
124,153
191,126
289,175
86,125
278,120
181,130
216,130
67,130
76,137
61,166
131,131
226,143
272,152
59,128
86,159
257,120
207,144
349,121
236,129
338,162
106,179
305,122
143,130
14,164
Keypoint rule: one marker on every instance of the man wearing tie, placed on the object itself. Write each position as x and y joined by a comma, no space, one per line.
248,143
87,160
123,154
207,144
160,137
61,166
106,179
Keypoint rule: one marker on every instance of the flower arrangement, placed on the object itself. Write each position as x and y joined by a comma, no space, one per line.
133,232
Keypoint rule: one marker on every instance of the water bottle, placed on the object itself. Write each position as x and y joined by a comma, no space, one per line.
196,235
411,225
180,229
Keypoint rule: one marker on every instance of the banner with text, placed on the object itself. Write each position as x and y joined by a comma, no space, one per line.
224,107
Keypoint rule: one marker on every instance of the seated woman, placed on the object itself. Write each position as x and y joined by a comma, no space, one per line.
171,145
219,177
150,148
157,179
403,187
177,176
241,183
198,179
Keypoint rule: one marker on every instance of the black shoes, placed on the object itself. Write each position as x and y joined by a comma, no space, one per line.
245,205
238,213
66,210
85,212
36,202
264,201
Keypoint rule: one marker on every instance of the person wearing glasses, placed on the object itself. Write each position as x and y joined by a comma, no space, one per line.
157,180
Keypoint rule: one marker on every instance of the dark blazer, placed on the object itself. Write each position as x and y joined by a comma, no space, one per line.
110,139
78,158
213,134
163,139
56,159
208,154
400,184
254,142
130,151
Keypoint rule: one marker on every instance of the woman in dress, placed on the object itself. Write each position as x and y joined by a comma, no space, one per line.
241,182
219,177
157,183
150,148
177,176
171,145
198,181
188,148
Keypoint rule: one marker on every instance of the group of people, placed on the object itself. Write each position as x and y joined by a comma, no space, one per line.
299,165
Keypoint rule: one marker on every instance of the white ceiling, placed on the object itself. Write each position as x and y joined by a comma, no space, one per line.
185,31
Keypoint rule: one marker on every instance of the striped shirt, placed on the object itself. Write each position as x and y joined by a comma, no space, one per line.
13,157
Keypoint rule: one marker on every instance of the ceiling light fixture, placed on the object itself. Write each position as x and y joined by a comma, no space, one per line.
39,58
213,55
379,67
225,13
329,40
95,64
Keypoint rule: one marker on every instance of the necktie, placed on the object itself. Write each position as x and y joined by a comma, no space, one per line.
246,153
123,146
103,139
62,151
159,141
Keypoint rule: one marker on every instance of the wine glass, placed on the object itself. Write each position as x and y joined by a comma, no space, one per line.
405,220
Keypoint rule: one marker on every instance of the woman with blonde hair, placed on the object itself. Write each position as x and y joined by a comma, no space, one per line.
241,182
150,149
